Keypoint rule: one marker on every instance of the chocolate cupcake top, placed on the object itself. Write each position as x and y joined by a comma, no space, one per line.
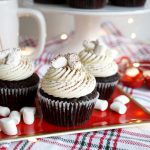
67,78
97,59
14,66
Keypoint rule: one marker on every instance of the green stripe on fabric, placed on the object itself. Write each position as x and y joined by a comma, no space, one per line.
24,145
128,137
72,141
109,139
83,143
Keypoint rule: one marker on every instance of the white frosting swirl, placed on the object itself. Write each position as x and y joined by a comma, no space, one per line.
15,67
68,82
98,61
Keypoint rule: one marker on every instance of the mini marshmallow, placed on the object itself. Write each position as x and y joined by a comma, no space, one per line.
59,62
74,61
118,107
4,111
8,126
14,57
101,105
28,114
123,99
89,45
16,116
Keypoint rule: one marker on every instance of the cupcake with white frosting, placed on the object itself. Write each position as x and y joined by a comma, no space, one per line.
18,82
67,93
97,59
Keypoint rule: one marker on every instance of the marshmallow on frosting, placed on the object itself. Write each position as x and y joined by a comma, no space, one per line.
59,62
73,61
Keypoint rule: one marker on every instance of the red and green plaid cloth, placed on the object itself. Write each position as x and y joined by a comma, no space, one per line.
137,138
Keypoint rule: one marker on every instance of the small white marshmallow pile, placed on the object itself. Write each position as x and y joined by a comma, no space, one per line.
8,124
118,104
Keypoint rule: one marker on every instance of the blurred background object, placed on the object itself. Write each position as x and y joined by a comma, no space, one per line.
134,26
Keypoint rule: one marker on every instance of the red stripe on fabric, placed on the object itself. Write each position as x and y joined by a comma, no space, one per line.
31,145
146,49
90,140
117,138
134,143
38,68
131,91
19,143
102,139
52,142
76,141
136,134
118,32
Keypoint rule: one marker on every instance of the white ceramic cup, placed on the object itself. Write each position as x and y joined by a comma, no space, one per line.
9,26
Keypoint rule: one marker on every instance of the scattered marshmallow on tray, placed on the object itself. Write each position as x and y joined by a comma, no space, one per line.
28,114
118,107
4,111
16,116
101,105
8,126
123,99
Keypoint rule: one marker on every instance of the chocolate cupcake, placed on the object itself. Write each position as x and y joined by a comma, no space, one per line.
128,3
18,82
50,1
87,4
67,94
98,61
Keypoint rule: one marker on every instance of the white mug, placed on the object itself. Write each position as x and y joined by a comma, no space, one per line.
9,26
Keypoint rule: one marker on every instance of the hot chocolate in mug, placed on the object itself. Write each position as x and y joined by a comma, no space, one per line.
9,26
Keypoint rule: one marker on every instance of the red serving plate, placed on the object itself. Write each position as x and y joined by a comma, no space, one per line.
135,115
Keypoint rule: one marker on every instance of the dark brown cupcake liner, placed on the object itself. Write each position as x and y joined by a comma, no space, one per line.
64,113
128,3
87,4
50,1
15,99
105,89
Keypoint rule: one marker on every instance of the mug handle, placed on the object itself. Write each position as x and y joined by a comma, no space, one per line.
39,18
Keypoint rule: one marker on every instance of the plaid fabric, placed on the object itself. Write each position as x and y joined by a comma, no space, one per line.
117,139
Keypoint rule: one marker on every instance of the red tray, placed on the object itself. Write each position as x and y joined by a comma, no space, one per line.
135,115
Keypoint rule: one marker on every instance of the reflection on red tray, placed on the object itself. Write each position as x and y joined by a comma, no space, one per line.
108,119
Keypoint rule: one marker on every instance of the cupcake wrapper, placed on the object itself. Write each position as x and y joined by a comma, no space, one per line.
15,99
105,89
128,3
64,113
50,1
